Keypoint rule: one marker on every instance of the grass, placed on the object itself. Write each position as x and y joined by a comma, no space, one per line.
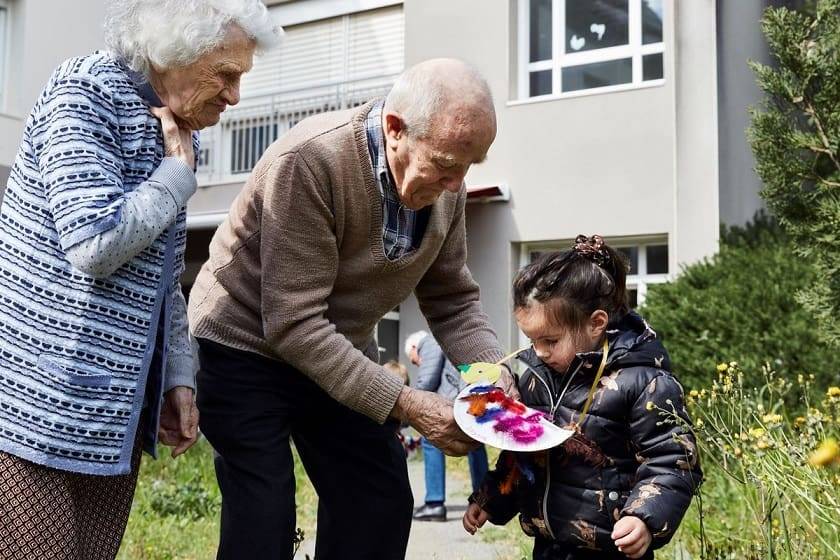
765,495
175,514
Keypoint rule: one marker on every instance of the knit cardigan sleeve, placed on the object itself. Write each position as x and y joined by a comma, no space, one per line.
449,299
78,149
297,234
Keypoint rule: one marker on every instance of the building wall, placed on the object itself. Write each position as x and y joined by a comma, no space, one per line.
43,34
739,39
621,164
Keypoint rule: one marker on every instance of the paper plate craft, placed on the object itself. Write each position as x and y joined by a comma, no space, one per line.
480,371
486,414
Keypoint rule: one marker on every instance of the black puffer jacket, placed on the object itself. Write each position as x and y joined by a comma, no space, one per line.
628,460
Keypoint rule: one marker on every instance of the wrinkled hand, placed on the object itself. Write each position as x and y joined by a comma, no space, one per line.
178,420
431,415
474,518
507,383
631,536
177,137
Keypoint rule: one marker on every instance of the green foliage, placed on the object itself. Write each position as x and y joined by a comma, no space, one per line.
771,488
741,305
795,137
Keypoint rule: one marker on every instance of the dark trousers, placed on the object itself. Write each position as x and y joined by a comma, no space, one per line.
249,407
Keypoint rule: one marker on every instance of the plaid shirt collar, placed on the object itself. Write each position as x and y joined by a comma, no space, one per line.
399,224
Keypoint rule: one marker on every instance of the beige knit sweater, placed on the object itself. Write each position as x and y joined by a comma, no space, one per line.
298,273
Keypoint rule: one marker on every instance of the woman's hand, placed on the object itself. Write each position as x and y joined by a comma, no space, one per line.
177,138
474,518
178,420
631,536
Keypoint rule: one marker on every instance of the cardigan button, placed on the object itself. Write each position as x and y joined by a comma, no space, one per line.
613,495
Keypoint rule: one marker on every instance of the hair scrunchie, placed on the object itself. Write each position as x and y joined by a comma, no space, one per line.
592,249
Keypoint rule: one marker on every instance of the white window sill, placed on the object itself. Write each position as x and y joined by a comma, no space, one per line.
586,92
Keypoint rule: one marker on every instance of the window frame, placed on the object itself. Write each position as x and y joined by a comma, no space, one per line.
5,45
560,59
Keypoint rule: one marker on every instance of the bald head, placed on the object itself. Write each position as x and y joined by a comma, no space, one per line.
437,121
431,92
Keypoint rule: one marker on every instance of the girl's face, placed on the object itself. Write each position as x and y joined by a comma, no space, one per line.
554,344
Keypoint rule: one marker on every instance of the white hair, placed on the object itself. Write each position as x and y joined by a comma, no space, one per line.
413,340
429,87
173,33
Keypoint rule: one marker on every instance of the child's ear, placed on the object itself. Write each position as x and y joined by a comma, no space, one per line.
598,324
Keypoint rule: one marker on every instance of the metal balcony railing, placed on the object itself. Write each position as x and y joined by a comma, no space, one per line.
230,149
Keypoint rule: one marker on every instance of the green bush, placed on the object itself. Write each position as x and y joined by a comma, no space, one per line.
741,305
795,136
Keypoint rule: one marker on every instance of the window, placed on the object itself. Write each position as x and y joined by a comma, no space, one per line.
571,46
648,262
330,55
388,336
322,65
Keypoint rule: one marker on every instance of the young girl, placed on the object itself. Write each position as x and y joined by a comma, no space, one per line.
620,486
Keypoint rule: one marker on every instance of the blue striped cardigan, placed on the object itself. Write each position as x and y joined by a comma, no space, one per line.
75,351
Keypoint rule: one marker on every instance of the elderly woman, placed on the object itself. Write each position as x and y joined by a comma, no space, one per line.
95,359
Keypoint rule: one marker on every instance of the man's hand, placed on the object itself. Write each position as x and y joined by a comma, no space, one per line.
507,383
431,415
474,518
631,536
178,420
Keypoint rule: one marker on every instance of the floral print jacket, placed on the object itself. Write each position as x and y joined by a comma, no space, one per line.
635,454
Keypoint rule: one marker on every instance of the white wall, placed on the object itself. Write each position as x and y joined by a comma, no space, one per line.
43,34
622,164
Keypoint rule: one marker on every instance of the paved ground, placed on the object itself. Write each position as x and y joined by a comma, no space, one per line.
442,540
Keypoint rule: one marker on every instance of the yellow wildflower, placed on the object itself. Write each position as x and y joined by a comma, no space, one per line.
828,452
799,421
699,423
694,393
756,432
762,443
833,392
737,452
722,367
800,379
772,418
649,406
733,364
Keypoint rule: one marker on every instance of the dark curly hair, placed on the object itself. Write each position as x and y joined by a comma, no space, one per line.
574,283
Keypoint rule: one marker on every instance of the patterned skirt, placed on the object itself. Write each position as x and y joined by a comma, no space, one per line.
49,514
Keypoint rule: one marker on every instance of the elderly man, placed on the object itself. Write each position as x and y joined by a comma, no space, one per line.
339,222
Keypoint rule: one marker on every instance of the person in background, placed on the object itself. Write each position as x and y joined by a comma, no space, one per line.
404,432
397,369
95,356
437,374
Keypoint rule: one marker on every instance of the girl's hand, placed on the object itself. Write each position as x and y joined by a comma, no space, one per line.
631,536
474,518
